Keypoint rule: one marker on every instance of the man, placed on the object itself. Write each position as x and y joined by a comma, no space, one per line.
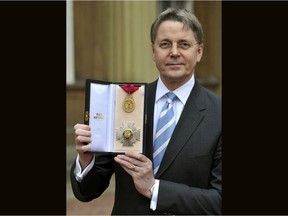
183,176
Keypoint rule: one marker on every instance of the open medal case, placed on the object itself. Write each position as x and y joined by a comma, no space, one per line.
116,113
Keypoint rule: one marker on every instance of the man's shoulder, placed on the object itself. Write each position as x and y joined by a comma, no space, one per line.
212,94
207,91
207,96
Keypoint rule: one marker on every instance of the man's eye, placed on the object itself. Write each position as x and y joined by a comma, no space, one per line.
184,45
165,45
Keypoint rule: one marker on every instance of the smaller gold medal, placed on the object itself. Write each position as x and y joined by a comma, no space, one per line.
128,103
128,134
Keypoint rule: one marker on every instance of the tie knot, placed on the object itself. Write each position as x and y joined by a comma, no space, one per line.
170,97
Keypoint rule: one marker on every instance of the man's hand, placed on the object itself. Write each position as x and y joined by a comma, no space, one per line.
82,142
141,170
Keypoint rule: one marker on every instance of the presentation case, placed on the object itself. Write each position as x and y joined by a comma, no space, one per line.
116,113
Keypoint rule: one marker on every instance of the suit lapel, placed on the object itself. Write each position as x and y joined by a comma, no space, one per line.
151,90
190,118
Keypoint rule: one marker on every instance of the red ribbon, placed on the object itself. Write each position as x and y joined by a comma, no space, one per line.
129,88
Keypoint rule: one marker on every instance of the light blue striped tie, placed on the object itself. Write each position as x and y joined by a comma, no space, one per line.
165,127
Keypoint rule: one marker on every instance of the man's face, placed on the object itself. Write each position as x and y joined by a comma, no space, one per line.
176,53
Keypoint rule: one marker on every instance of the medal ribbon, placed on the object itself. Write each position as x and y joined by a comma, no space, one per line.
129,88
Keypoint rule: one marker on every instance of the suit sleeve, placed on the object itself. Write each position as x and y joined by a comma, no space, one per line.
176,198
96,181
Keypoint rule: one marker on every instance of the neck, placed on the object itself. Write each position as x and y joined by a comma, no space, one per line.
173,84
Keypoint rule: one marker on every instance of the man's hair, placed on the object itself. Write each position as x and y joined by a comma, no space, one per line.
180,15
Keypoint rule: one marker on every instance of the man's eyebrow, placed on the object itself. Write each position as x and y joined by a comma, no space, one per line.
184,40
165,39
181,40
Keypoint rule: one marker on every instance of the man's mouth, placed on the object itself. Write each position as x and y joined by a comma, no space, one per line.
174,64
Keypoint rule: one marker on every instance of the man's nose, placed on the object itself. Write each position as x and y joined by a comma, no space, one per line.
174,50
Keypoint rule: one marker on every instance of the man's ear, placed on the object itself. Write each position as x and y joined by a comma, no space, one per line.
200,52
153,53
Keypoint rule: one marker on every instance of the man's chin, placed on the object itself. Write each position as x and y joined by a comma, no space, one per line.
175,75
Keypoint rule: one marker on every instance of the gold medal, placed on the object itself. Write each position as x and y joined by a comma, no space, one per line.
128,103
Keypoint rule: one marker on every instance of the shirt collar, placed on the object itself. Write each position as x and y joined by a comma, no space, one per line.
182,92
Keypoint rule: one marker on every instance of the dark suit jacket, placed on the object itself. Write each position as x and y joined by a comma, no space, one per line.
191,170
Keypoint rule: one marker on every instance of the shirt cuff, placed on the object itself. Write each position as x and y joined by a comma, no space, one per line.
79,174
153,203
